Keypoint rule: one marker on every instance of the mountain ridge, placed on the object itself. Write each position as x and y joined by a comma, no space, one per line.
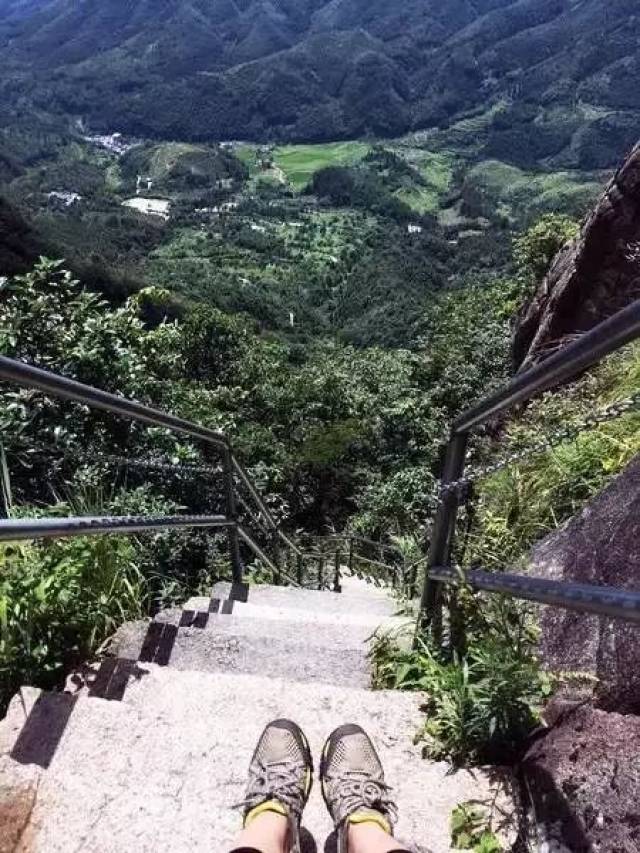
561,72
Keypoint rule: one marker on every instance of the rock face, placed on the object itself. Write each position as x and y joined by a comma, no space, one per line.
592,277
600,546
584,776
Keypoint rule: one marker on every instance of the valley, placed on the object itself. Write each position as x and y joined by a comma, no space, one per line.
308,236
305,239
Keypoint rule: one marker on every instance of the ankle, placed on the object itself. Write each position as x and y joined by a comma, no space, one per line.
268,832
370,838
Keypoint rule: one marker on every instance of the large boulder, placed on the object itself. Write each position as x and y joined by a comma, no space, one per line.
592,277
584,777
599,546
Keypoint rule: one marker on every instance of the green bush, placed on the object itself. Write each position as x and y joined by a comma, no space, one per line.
482,705
471,830
519,505
535,249
59,601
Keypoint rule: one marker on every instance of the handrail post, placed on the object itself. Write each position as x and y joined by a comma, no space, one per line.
351,555
442,536
237,570
337,586
320,572
413,580
277,558
300,569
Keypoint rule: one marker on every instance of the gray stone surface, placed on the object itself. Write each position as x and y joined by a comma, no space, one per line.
584,776
295,614
295,651
160,767
357,595
600,546
592,277
161,770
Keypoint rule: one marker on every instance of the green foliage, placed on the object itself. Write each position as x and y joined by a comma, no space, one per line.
465,358
300,162
360,188
501,192
471,830
19,245
482,705
521,504
535,249
177,167
59,601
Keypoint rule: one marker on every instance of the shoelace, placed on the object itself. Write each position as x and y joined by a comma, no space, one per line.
282,781
355,790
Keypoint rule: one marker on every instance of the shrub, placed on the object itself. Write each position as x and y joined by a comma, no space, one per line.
522,503
535,249
58,602
471,830
482,705
60,599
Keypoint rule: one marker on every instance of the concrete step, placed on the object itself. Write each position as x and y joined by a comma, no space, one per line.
289,612
161,770
357,597
294,651
312,633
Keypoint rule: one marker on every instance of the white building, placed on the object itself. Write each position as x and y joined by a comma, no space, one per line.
149,206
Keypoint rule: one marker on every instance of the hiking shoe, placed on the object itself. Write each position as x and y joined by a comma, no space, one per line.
280,777
353,784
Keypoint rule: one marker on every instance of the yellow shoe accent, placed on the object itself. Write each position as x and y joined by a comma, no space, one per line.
267,806
371,817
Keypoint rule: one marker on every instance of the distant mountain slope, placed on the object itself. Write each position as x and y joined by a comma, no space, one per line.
560,75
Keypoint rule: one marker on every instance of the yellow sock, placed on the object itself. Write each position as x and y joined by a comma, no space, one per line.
371,817
267,806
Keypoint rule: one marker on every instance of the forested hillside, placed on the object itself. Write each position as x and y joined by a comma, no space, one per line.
540,79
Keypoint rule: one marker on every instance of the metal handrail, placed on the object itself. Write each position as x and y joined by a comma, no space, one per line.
262,507
29,376
569,362
61,386
20,529
586,598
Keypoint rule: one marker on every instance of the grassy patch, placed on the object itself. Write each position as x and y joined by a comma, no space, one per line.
518,506
525,195
481,706
300,162
436,171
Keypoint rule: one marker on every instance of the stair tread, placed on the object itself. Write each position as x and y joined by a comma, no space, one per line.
324,634
292,613
360,598
288,652
161,770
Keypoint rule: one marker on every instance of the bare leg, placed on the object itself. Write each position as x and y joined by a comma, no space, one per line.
370,838
267,833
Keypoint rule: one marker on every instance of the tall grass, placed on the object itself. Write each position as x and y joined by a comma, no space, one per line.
521,504
58,602
60,599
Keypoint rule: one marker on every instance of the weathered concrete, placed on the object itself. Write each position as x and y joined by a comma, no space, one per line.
160,769
590,278
357,597
296,651
600,546
584,776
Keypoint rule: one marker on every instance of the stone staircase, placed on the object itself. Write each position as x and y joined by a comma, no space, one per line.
150,752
